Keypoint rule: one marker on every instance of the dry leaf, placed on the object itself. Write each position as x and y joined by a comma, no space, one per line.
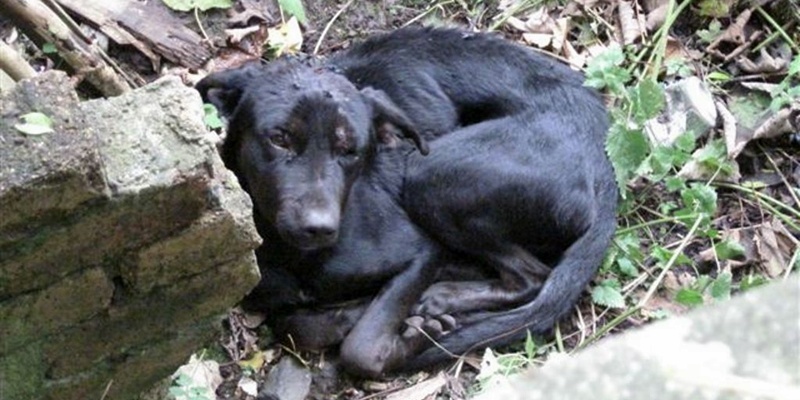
629,24
541,40
743,236
248,386
660,302
236,35
560,28
575,59
690,107
775,246
204,376
286,39
420,391
765,63
657,16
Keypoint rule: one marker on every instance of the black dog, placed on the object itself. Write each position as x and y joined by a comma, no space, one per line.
517,185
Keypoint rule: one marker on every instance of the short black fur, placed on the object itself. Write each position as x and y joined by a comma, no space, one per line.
495,233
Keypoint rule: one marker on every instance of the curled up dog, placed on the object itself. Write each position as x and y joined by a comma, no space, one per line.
493,234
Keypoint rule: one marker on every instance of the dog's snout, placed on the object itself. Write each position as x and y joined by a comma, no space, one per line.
321,225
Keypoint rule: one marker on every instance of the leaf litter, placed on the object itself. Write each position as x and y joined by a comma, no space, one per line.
737,173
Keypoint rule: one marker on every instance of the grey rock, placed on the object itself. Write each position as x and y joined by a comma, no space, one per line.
745,348
288,380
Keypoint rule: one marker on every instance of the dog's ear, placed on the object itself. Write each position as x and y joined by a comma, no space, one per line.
387,112
224,89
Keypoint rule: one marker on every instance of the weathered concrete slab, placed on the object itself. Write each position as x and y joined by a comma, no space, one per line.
745,348
44,177
122,237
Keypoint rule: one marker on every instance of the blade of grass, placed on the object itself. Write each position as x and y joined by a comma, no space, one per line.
777,28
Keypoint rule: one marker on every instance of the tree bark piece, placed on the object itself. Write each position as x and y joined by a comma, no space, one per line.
148,27
39,21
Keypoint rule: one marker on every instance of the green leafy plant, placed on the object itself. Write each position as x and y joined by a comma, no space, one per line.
627,145
197,6
211,117
294,8
608,294
709,34
787,90
706,289
183,387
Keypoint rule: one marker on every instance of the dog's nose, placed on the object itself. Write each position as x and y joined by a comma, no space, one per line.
320,232
321,224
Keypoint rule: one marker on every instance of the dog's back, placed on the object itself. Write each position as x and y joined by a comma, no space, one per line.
527,179
445,78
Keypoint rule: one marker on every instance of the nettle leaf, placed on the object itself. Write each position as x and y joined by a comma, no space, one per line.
630,244
720,288
35,124
647,100
685,142
708,35
674,183
751,281
700,198
689,297
794,66
608,294
627,267
728,249
295,8
211,116
627,149
713,157
663,255
604,71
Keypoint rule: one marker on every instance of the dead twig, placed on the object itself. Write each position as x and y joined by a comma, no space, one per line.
42,23
13,64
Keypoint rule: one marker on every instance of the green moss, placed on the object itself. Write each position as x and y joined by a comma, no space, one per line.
22,374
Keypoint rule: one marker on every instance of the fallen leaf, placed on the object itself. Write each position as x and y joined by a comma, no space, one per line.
775,246
744,237
690,107
255,362
541,40
248,386
204,376
35,124
237,34
421,390
629,24
764,63
286,39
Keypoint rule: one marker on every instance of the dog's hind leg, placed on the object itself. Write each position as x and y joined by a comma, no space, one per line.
520,276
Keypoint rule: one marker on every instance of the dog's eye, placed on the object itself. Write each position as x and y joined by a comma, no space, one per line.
349,152
279,139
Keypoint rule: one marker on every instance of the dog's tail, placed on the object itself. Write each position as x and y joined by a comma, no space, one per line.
559,293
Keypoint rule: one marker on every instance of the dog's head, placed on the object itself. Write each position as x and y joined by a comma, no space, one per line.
298,137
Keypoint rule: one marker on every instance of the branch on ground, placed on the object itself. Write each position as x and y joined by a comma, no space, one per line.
42,23
13,64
